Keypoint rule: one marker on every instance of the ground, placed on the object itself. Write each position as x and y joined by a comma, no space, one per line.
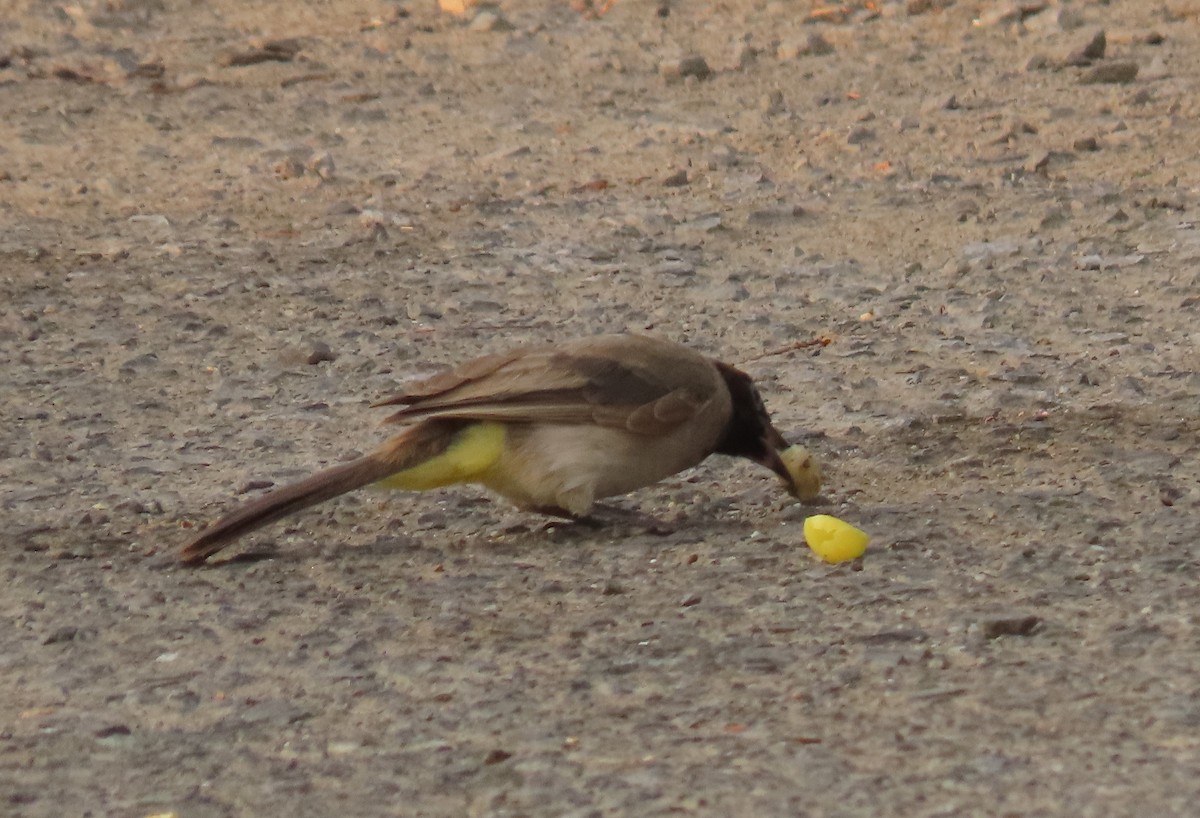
958,254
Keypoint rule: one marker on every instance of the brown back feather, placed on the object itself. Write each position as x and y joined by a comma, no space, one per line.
643,385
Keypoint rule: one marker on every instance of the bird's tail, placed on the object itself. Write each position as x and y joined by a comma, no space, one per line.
412,447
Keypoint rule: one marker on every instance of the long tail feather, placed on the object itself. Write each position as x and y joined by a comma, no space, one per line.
410,448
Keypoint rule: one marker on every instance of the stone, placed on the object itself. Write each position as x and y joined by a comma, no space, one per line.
1111,73
677,70
1089,53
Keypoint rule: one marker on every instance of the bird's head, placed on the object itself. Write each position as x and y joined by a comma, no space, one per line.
750,434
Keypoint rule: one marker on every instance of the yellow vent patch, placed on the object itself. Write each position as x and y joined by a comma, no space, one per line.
473,451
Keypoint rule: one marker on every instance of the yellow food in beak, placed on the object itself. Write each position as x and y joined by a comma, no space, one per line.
805,471
833,540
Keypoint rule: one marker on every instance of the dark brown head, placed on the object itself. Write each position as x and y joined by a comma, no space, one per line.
750,433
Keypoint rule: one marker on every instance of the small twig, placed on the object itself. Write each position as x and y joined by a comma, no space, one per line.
822,341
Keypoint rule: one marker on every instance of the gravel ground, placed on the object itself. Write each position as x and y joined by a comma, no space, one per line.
955,242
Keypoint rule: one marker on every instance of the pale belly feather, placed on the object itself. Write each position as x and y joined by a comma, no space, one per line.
570,467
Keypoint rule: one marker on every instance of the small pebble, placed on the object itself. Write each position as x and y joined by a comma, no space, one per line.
322,165
1089,53
942,102
320,353
1011,625
1111,73
744,55
489,19
691,66
677,179
859,135
772,103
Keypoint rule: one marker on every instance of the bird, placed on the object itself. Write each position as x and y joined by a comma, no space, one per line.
551,428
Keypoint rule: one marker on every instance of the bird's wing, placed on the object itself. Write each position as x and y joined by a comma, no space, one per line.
642,385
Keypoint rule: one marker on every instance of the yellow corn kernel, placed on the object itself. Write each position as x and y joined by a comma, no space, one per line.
804,469
833,540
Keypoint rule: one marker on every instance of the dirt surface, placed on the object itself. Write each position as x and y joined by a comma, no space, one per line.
226,227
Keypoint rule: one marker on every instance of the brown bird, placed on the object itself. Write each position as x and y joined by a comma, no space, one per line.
552,429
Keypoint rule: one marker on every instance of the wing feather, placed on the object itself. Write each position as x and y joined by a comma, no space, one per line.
643,385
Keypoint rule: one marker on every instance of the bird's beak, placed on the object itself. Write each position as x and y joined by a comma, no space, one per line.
800,471
773,444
